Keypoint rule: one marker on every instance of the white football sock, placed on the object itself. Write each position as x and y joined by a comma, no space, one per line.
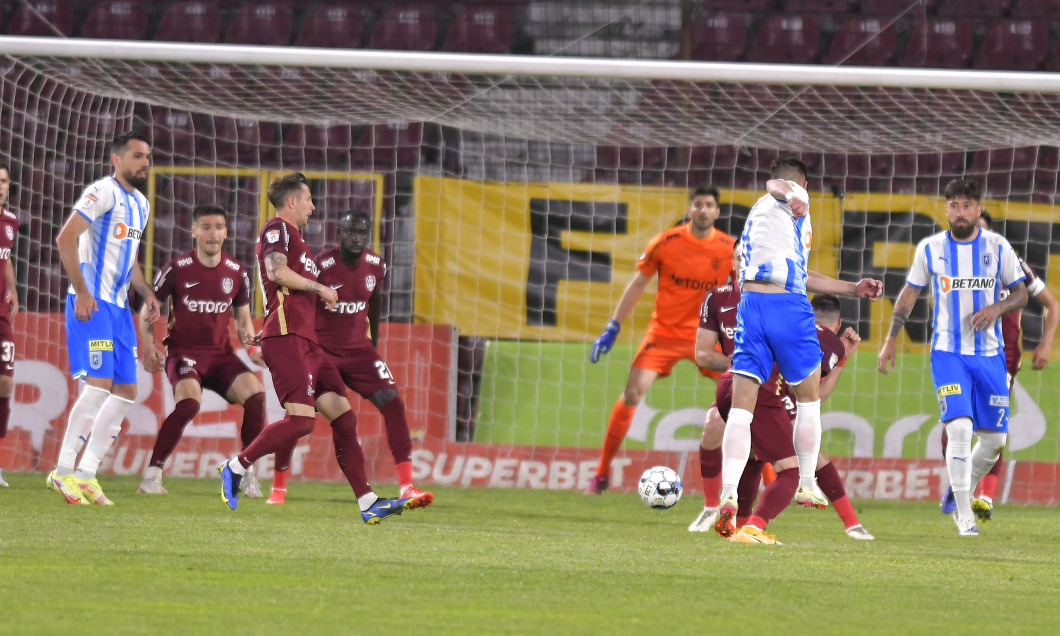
236,467
77,427
735,448
104,431
959,463
367,501
807,440
985,454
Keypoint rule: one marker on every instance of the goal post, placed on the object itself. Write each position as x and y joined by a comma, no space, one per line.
512,196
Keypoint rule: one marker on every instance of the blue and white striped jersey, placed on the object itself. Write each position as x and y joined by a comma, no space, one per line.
775,246
964,278
107,250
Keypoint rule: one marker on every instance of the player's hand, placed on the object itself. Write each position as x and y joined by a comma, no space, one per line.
985,317
799,208
151,309
851,340
328,295
249,340
11,298
869,288
153,360
84,306
254,353
886,356
1041,356
603,344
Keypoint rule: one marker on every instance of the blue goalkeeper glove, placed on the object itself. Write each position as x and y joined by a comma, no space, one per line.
606,340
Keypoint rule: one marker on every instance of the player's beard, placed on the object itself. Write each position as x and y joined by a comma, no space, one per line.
962,232
135,180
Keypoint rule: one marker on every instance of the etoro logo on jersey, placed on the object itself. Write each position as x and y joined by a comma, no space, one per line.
949,283
205,306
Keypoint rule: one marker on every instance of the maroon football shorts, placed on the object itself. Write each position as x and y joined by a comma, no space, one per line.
214,370
301,371
772,432
7,348
363,370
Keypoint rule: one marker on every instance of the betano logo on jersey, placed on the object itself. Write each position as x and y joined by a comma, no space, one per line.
949,283
122,231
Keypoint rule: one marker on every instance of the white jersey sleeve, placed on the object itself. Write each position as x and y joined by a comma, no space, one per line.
920,271
775,246
1011,272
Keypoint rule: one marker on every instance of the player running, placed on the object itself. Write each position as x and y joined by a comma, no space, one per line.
349,332
8,304
303,376
207,286
689,259
98,246
967,268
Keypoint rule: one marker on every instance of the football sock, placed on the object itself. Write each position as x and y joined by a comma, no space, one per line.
747,491
279,479
105,430
283,434
172,429
710,470
986,453
404,473
832,487
768,474
77,427
5,415
735,448
988,484
397,431
958,463
349,454
617,427
776,497
253,418
807,440
366,500
282,459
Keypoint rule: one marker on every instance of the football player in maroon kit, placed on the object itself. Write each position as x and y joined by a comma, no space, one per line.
349,332
1012,334
303,376
8,303
207,286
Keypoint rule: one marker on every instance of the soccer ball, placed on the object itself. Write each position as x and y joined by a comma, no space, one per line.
660,487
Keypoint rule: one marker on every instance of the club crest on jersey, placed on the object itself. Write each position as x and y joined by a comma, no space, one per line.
987,259
272,236
227,284
95,359
369,282
834,360
10,231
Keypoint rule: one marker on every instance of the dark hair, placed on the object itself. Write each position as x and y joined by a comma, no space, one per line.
286,186
826,304
706,190
787,166
207,209
5,165
984,215
963,188
356,215
121,140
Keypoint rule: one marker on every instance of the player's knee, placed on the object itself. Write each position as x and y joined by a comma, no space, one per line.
993,442
959,430
7,386
713,430
785,464
379,399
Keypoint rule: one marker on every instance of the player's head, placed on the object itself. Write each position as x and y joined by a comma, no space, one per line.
827,311
355,230
5,182
737,257
703,207
290,196
986,221
130,154
962,208
209,228
789,168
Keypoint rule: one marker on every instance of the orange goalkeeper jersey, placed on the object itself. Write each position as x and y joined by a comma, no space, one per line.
688,268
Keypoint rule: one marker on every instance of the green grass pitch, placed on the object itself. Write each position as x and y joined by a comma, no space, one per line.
505,561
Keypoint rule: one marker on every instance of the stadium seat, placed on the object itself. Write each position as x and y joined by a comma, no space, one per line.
116,20
863,42
173,133
190,21
719,37
1005,171
1013,45
320,145
396,144
894,8
939,44
405,28
831,7
787,39
479,29
42,17
1035,9
177,194
261,23
241,141
754,6
334,25
632,163
972,9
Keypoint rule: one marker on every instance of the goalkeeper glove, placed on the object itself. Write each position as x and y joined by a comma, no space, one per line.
606,340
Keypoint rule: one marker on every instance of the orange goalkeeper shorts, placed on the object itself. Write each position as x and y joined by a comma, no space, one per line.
661,354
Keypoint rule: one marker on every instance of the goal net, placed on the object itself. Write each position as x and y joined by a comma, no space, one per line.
512,196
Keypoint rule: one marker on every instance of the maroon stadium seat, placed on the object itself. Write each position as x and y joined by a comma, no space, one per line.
116,20
789,39
241,141
190,21
173,133
834,7
42,17
1038,9
755,6
893,8
863,42
396,144
264,24
334,25
973,9
479,29
405,28
939,44
720,37
317,145
1013,45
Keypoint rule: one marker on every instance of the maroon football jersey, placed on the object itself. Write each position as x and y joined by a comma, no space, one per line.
1011,323
8,232
202,300
287,311
345,325
833,356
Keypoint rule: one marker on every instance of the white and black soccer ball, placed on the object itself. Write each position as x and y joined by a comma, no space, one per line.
660,487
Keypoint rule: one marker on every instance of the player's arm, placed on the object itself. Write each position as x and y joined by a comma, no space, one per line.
246,335
375,311
153,358
782,190
1016,300
818,283
903,308
1051,319
707,357
139,284
12,293
66,241
279,272
623,309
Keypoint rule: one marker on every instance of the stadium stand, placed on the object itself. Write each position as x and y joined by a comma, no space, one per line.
790,39
939,44
116,20
720,37
1014,45
190,21
333,25
405,28
43,18
266,23
479,29
863,42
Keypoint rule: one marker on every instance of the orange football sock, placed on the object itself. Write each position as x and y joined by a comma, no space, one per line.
768,475
279,479
988,485
617,427
845,511
404,473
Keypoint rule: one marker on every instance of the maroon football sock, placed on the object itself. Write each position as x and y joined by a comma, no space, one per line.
171,431
5,415
776,497
747,489
710,471
397,430
283,434
253,418
349,454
